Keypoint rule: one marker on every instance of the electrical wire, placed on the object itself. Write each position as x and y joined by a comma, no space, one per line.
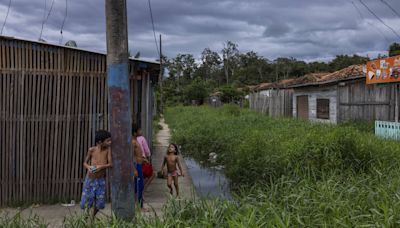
362,18
5,20
46,18
390,7
63,23
154,31
376,16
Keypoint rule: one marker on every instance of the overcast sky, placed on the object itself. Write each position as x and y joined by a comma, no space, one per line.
303,29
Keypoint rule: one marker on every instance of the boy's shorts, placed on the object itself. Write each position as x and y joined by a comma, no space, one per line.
93,189
173,173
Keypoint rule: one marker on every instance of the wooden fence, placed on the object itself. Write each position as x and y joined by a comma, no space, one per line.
275,103
52,100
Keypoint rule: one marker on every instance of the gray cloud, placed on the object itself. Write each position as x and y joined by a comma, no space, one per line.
304,29
276,29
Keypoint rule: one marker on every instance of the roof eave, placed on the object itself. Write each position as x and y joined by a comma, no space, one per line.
75,48
326,82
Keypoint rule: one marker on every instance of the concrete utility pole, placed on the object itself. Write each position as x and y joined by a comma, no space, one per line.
122,186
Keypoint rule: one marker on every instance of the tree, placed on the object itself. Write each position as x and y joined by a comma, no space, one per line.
181,69
211,62
183,65
236,70
394,49
252,68
230,53
197,90
343,61
314,67
230,94
283,68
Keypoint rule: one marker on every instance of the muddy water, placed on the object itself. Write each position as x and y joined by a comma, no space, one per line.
209,182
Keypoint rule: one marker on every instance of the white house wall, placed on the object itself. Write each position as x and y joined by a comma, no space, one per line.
314,94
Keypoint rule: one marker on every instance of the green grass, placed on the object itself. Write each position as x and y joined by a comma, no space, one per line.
17,221
156,128
287,203
362,126
285,173
255,148
300,173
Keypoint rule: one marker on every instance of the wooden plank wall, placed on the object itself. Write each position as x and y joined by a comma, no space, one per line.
278,103
52,100
358,101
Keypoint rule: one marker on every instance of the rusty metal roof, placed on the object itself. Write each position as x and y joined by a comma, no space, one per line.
348,72
351,72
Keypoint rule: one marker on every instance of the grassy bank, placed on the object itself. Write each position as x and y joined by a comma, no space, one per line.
302,173
255,148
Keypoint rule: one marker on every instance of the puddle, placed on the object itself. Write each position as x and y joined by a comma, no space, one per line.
209,182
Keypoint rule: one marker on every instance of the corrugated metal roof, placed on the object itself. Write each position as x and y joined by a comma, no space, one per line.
75,48
348,73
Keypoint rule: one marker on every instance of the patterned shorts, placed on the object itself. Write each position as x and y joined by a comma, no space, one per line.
173,173
94,189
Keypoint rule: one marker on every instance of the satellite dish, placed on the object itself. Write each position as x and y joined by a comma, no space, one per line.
71,43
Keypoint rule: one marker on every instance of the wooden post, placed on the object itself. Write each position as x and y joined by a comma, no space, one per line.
151,115
161,80
143,110
122,186
148,114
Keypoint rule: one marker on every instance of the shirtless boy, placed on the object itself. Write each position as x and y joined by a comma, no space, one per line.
171,160
98,159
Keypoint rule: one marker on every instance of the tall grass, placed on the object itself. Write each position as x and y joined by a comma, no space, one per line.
300,173
255,148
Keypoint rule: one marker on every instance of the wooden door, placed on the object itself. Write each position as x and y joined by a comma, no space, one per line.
302,107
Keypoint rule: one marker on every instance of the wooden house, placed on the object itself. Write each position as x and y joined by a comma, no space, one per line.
52,100
343,96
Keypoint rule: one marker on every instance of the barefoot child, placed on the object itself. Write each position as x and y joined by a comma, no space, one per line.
171,160
98,159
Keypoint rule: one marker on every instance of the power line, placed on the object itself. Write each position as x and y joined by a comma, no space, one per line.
44,12
390,7
63,23
46,18
5,20
362,18
154,31
376,16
